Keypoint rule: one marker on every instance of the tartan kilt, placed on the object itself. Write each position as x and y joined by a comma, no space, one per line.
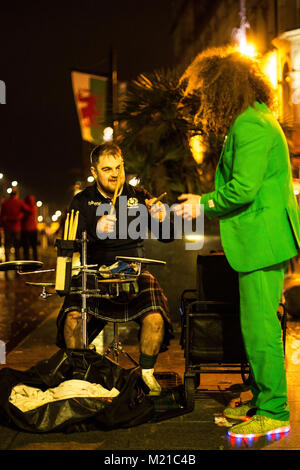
149,298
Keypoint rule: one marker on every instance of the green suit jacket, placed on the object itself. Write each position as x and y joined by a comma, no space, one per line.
254,197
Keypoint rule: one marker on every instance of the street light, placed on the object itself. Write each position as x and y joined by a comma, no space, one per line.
14,183
270,67
248,49
197,148
108,134
9,190
90,179
39,203
1,176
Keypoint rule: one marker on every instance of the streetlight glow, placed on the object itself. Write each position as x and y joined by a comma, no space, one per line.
108,134
14,183
247,49
9,190
240,33
1,176
270,68
197,148
90,179
39,203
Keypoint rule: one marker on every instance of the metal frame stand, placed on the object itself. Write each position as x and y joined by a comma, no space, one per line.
84,287
116,347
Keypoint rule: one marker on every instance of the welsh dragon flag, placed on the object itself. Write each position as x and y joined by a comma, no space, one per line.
90,93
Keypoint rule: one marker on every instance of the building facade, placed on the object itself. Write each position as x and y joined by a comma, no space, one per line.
271,26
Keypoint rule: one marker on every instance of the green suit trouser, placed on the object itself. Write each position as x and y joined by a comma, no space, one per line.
260,295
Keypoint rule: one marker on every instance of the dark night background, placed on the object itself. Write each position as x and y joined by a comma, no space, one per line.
40,44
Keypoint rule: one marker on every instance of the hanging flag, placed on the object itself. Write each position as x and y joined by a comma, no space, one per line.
90,93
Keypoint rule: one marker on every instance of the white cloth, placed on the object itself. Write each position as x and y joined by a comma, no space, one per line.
28,398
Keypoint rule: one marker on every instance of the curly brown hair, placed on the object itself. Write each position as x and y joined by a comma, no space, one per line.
227,83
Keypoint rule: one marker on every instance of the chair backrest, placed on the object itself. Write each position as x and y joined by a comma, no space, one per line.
216,280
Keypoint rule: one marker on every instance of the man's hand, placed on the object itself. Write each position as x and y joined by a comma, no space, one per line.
189,208
157,210
107,223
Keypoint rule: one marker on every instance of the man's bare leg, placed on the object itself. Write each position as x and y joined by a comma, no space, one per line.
73,330
152,333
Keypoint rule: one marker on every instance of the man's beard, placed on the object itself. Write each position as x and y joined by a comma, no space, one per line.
109,191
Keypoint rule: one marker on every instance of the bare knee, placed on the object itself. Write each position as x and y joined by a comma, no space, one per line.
72,319
154,321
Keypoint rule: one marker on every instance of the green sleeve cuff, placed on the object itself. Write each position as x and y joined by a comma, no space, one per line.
209,208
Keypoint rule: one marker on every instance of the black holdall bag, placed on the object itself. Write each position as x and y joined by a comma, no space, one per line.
130,408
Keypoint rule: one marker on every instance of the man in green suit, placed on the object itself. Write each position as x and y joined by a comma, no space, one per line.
259,218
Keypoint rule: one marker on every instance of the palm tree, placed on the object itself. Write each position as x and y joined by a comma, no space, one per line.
154,133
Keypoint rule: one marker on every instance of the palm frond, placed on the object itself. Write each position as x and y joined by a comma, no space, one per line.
155,132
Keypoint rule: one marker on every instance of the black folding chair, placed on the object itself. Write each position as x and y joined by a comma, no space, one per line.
211,333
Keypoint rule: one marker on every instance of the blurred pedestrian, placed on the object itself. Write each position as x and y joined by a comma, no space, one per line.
29,232
259,218
12,212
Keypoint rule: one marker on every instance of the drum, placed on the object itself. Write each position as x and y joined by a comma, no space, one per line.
110,288
44,285
129,259
20,265
122,302
40,284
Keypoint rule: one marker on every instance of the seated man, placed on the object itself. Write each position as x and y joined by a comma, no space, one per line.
149,307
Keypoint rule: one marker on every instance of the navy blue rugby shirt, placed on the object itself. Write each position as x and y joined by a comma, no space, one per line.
104,251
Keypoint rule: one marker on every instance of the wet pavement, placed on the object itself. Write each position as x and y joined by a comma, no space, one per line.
189,433
22,307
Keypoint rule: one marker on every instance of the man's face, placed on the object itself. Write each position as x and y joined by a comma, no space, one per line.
106,173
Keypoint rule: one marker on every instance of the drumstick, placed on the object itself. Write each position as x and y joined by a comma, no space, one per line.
75,225
159,198
66,227
116,192
77,218
71,224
